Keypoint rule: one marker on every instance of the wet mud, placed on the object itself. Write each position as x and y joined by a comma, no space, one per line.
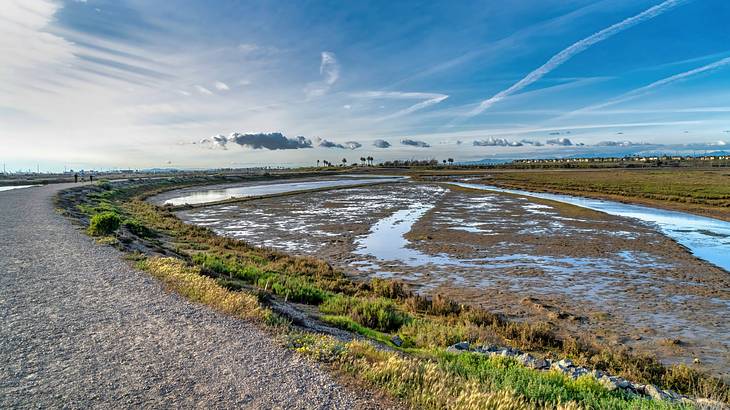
613,278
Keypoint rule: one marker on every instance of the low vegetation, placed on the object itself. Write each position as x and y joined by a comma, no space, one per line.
239,279
104,223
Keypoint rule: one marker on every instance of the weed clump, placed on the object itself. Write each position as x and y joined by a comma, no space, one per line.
379,313
104,223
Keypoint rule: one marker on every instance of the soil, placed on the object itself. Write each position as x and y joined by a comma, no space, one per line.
614,279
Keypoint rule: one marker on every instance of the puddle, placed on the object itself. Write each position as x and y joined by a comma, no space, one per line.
8,188
386,240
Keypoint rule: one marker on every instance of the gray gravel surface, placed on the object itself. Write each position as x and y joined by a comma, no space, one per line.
81,328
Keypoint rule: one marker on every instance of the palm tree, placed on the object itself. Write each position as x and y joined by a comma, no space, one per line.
370,160
451,161
317,163
362,159
444,162
344,162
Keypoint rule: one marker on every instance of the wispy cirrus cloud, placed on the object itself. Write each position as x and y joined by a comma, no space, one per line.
429,99
576,48
202,90
641,91
329,69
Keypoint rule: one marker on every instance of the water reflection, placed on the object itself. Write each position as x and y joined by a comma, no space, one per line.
213,195
706,238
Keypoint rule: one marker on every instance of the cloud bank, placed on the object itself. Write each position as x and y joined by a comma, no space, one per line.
415,143
347,145
576,48
496,142
559,141
271,141
620,144
381,144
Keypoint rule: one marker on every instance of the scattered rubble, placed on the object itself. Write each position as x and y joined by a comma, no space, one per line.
570,369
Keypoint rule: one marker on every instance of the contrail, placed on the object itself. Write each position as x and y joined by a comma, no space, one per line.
429,100
577,47
664,81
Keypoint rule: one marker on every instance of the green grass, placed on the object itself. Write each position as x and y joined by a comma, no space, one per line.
435,379
375,313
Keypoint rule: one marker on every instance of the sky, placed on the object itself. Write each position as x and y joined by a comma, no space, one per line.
196,84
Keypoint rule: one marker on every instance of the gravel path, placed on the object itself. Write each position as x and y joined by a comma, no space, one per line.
79,327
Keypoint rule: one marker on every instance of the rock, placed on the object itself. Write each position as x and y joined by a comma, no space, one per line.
396,340
460,347
622,383
527,360
564,366
579,371
565,363
608,383
542,364
487,349
657,393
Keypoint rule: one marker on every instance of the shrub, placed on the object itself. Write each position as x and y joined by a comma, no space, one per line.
379,314
104,223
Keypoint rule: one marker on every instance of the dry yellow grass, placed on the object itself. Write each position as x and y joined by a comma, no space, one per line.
188,282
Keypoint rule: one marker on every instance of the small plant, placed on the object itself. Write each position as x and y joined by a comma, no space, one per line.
139,229
104,223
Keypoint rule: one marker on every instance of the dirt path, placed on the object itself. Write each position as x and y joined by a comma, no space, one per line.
79,327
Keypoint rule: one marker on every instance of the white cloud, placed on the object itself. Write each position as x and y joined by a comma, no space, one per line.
576,48
247,48
203,90
329,69
220,85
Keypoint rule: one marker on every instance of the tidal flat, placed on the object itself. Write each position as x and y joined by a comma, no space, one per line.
615,278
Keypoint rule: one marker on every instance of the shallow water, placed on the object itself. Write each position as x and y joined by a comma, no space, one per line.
386,240
706,238
8,188
213,195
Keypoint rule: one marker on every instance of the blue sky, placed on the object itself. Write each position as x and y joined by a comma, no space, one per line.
90,84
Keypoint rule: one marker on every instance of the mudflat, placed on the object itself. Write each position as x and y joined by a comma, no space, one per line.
609,277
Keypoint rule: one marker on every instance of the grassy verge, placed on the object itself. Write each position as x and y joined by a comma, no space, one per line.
238,279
